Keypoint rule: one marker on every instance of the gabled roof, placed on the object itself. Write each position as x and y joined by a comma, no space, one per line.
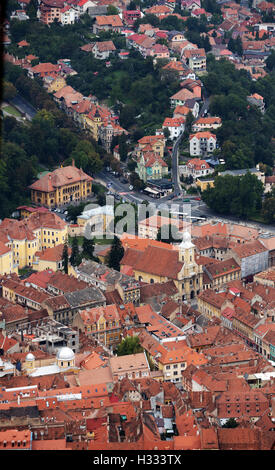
156,261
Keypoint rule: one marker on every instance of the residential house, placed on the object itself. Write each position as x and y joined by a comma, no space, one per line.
195,168
133,366
210,303
175,66
202,143
179,98
152,143
130,16
102,323
205,123
193,106
257,100
266,278
174,362
50,11
193,85
68,15
63,308
7,265
159,51
96,220
151,166
102,50
107,23
222,272
25,237
196,60
175,126
190,4
44,69
158,10
50,259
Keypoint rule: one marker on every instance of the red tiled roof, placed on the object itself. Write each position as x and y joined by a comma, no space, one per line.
60,177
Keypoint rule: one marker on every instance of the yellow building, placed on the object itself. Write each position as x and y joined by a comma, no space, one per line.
203,184
95,119
96,220
25,237
173,362
51,259
102,323
160,265
62,186
56,84
151,143
7,265
210,303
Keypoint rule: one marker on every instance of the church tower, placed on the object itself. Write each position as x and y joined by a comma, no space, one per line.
191,273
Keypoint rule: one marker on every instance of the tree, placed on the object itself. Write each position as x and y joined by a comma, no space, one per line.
268,208
230,423
75,258
115,254
240,196
88,247
65,258
9,91
75,211
112,10
130,345
85,157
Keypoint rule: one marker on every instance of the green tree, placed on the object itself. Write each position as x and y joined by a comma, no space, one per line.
112,10
75,258
86,157
65,258
9,91
115,254
230,423
130,345
88,247
268,208
75,211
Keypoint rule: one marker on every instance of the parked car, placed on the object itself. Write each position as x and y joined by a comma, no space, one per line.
186,200
131,187
197,198
109,185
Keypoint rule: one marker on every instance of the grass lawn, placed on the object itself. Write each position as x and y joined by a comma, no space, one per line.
11,110
25,271
98,241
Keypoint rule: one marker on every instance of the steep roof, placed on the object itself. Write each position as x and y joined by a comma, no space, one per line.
60,177
157,261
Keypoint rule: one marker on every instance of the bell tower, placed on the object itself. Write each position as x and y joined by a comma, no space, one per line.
191,274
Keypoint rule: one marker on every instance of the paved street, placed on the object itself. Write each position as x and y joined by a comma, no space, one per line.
24,107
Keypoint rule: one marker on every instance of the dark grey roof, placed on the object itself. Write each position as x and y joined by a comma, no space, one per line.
31,411
84,296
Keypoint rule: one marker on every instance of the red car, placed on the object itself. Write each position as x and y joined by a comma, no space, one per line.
197,198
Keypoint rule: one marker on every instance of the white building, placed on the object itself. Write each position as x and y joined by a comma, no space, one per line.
195,168
202,143
68,15
175,126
